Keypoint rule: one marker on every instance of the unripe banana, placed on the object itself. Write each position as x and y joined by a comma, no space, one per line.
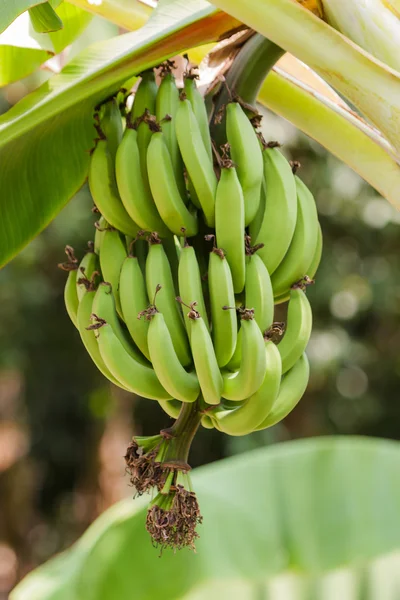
244,383
165,191
88,336
104,308
134,300
205,361
111,124
207,422
179,383
293,386
71,297
229,222
255,225
190,288
112,255
298,329
224,322
279,218
167,103
197,160
158,273
259,292
246,154
86,271
312,269
246,417
171,407
144,103
103,188
135,194
200,111
304,242
134,376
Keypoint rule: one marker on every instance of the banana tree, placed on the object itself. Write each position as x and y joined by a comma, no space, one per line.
306,61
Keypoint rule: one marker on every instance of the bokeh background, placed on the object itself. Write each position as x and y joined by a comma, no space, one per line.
64,429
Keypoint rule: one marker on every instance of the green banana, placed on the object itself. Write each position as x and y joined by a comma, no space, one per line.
255,225
103,188
229,222
135,194
137,378
196,158
71,296
111,125
179,383
205,361
206,422
279,218
144,105
246,154
199,109
88,266
134,300
190,287
88,337
112,255
298,329
304,242
158,273
104,309
293,386
224,322
246,417
171,407
259,292
313,267
167,102
246,381
163,185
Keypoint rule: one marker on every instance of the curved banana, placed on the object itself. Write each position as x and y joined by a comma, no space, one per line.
88,336
313,267
236,358
112,255
196,158
165,190
158,273
293,386
87,267
246,154
206,422
167,102
205,361
304,242
224,322
171,407
199,109
298,329
111,125
134,300
244,383
246,417
103,188
71,296
280,214
229,222
137,378
179,383
135,194
190,287
259,292
255,225
144,104
104,309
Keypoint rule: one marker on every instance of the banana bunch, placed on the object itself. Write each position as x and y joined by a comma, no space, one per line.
174,300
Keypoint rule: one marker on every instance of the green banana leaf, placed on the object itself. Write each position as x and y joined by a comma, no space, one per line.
44,18
130,15
56,120
372,87
297,516
10,9
22,51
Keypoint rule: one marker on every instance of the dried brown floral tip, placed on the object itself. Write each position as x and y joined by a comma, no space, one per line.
273,144
295,166
144,471
193,313
256,121
153,238
249,249
246,314
275,332
303,283
97,323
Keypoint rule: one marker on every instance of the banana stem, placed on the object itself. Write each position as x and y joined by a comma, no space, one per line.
182,433
246,75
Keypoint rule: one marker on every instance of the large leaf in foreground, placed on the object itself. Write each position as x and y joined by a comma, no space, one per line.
302,507
45,138
123,13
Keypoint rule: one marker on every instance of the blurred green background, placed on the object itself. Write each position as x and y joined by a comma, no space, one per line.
64,429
